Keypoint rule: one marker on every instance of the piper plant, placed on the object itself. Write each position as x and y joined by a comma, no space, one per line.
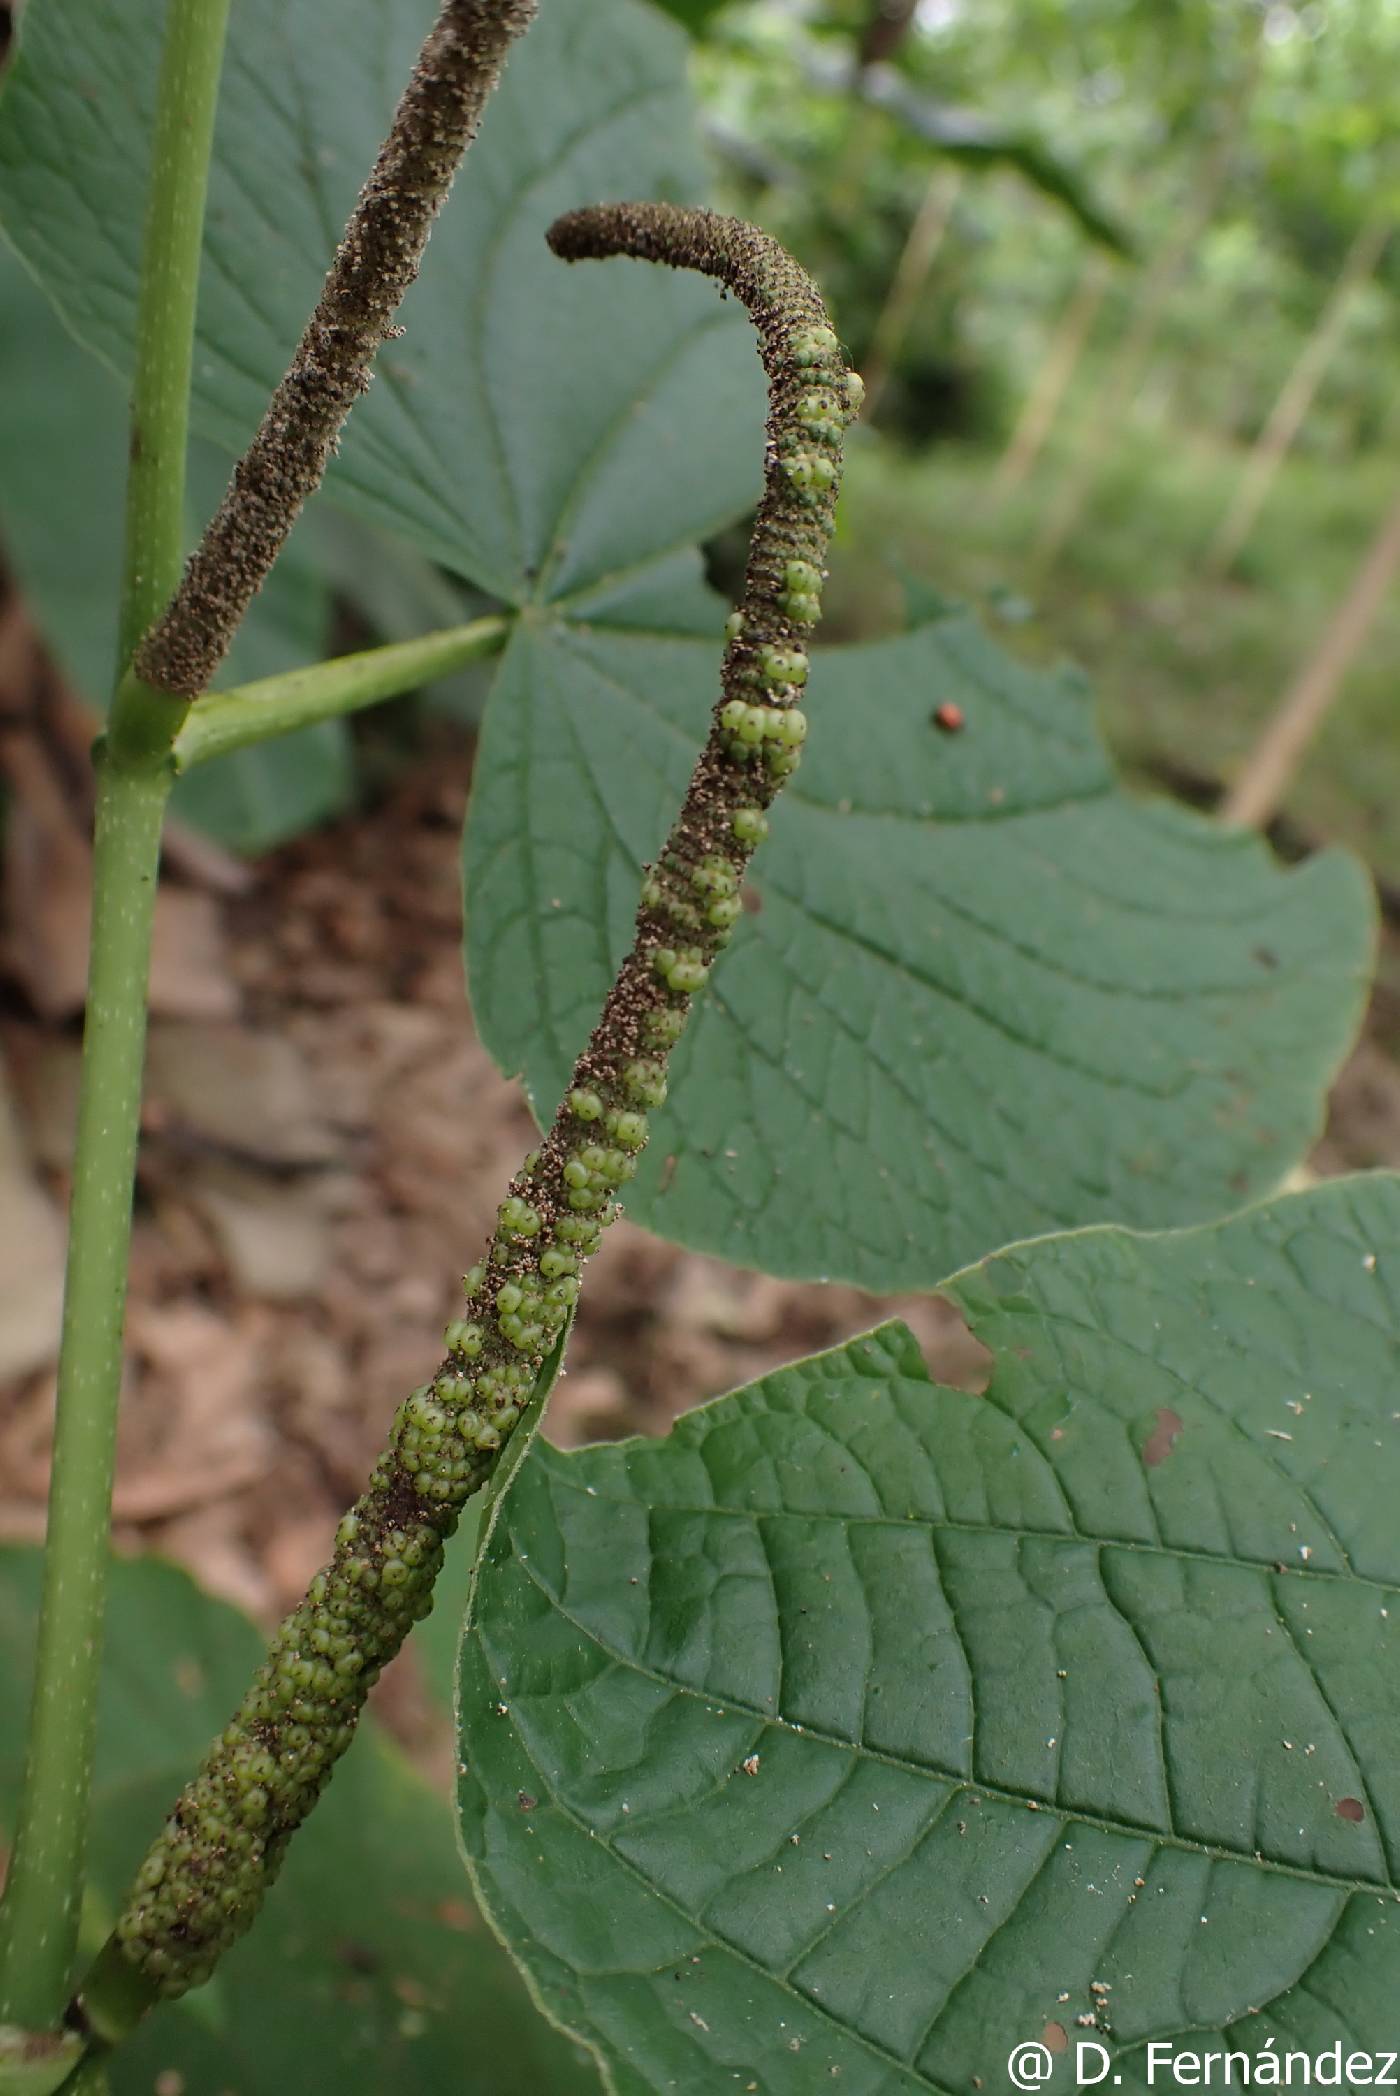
796,1748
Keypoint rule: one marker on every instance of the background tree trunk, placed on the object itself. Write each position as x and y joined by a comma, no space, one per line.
1274,758
926,235
1043,402
1296,397
1158,285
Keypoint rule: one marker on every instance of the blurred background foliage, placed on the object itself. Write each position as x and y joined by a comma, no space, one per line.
1120,277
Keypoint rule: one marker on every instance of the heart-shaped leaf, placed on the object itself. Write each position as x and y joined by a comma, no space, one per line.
63,440
981,992
870,1729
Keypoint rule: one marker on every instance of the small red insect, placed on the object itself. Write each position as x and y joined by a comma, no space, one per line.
949,717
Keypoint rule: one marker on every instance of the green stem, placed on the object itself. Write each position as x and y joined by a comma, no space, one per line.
186,94
230,720
39,1914
40,1911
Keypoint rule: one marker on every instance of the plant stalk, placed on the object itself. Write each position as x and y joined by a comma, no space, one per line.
231,720
186,95
43,1892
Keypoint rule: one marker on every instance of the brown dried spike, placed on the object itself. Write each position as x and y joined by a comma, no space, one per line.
377,260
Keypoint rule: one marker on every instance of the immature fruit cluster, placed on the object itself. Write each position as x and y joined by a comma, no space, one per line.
223,1844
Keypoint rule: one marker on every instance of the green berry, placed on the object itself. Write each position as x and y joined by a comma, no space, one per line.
783,760
853,386
653,894
802,576
714,876
585,1199
576,1172
792,727
565,1293
820,416
734,625
629,1132
798,468
665,1025
516,1218
554,1264
585,1105
731,715
509,1297
581,1231
782,665
473,1278
725,912
688,976
464,1338
823,473
646,1081
750,825
813,346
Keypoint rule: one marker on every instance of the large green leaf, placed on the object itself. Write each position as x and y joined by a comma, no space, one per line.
62,477
368,1969
871,1728
538,427
986,993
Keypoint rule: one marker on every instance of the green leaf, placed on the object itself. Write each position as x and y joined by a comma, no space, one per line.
63,439
35,2063
873,1726
368,1969
538,427
985,993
